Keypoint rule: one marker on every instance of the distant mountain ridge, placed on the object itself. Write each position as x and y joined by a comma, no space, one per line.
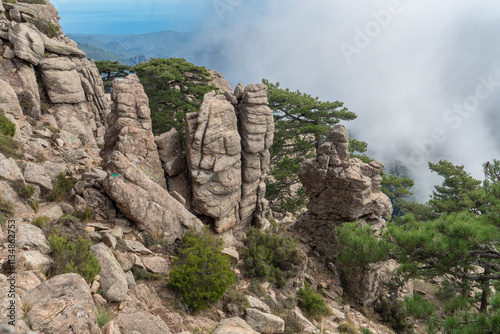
197,47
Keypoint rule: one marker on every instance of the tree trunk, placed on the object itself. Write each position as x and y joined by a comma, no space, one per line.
485,286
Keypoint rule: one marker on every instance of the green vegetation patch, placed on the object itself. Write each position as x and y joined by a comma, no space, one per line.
201,273
23,190
7,127
6,209
62,186
70,257
103,315
270,255
312,303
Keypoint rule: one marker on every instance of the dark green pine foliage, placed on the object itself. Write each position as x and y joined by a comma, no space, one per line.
459,191
457,233
174,87
110,70
201,273
301,121
397,184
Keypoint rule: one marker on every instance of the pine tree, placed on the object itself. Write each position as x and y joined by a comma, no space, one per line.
301,122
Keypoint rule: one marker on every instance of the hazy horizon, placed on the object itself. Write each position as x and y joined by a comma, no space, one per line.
423,78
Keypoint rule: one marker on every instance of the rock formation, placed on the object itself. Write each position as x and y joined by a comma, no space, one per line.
341,190
129,131
145,202
228,156
71,95
132,190
257,134
214,159
62,304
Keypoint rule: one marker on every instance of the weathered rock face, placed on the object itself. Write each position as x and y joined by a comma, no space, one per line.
342,190
129,130
27,41
234,325
113,281
62,80
257,134
228,155
71,96
170,151
62,304
214,158
144,201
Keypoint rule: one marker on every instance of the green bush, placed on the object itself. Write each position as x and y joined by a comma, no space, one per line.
312,303
201,273
23,190
41,221
9,147
418,307
62,186
72,258
6,209
152,239
270,255
35,204
237,298
86,214
46,27
103,315
140,273
7,127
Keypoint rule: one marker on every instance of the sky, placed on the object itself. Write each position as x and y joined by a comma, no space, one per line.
422,76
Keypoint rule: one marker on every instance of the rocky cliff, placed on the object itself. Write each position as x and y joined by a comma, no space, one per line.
97,171
342,189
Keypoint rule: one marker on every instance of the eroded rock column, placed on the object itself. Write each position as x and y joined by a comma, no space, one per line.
214,160
341,190
129,131
257,133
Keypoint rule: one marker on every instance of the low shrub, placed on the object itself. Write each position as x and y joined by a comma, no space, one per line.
41,221
312,303
86,214
270,255
237,298
7,127
68,220
103,315
201,273
152,239
35,204
348,327
62,186
418,307
46,27
140,273
292,324
72,257
6,209
23,190
9,147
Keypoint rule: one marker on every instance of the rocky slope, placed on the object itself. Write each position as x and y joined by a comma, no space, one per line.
140,187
